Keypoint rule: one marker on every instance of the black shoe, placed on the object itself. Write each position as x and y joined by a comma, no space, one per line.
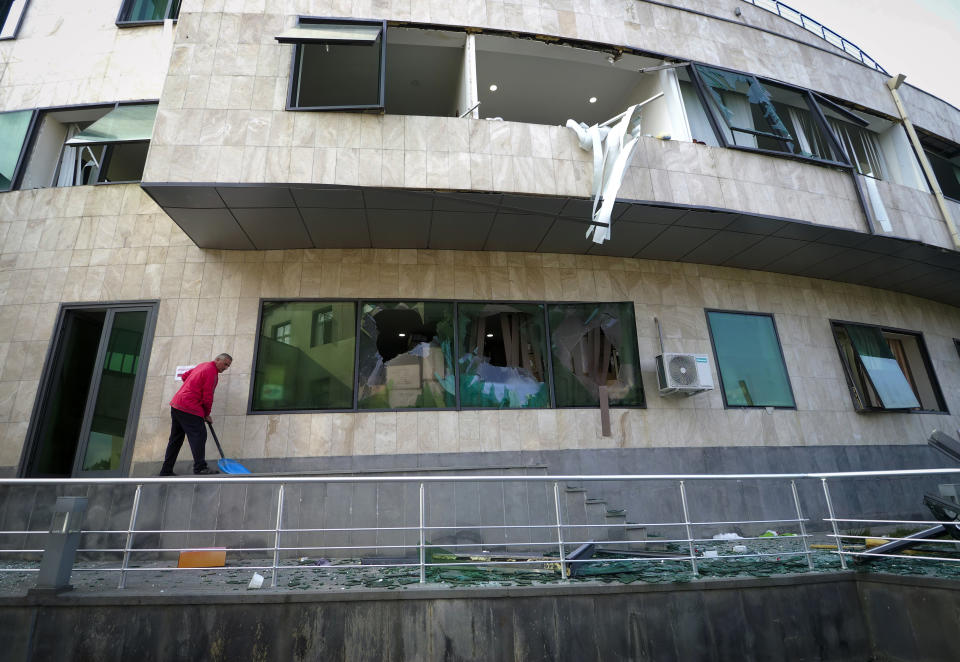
166,473
206,471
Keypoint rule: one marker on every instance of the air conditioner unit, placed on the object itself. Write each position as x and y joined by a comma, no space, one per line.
684,373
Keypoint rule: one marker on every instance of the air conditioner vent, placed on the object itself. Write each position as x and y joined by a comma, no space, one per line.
683,373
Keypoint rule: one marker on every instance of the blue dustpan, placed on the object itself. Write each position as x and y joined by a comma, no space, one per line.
227,466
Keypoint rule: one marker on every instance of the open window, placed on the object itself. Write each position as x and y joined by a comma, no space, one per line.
887,369
766,116
944,158
14,129
427,73
337,64
97,144
11,16
145,12
749,360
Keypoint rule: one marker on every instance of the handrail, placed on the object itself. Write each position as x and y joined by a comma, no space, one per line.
815,27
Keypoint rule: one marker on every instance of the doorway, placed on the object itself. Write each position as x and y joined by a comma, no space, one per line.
87,408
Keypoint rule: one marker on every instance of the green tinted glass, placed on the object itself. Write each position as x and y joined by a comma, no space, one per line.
750,361
885,374
292,373
13,132
503,356
594,345
406,355
149,10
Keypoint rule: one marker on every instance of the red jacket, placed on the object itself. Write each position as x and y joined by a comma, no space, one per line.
196,394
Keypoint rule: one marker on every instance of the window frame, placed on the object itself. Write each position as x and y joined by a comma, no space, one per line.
924,355
359,302
16,29
25,148
293,78
808,95
716,359
125,4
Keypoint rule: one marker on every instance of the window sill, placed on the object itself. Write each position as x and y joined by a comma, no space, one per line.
138,24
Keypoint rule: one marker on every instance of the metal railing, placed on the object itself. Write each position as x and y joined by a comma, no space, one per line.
553,535
799,18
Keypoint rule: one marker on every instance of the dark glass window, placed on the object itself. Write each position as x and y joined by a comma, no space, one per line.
11,14
148,11
406,355
887,368
749,359
594,345
290,373
764,115
13,133
947,172
503,359
337,64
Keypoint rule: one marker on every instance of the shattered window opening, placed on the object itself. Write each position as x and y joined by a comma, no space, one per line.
595,345
503,356
406,356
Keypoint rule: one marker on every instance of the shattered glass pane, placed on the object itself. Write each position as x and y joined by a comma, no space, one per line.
291,372
406,355
503,356
594,345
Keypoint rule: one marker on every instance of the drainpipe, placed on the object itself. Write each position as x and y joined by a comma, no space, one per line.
893,84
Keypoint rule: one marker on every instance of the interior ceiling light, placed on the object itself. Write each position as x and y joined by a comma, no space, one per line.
489,335
592,99
402,335
493,88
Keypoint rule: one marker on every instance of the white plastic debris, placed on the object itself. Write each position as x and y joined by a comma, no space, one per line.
740,549
257,581
710,554
727,536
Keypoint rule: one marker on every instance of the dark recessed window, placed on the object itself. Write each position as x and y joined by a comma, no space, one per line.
766,116
593,346
887,368
292,374
749,360
337,64
946,168
138,12
11,15
406,355
503,355
14,127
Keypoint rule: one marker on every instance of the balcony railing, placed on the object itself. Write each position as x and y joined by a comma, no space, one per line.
817,28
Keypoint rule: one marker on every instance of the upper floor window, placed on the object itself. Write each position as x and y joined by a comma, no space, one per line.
887,368
14,128
749,360
11,15
944,158
89,145
139,12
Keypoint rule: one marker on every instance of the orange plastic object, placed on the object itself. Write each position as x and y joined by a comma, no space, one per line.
215,557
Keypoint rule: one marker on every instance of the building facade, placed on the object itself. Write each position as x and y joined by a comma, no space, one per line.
377,209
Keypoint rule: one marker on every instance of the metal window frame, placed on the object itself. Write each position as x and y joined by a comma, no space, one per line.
16,28
125,6
31,446
25,147
716,358
358,307
924,355
295,74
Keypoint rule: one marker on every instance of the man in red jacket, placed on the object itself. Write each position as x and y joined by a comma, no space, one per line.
189,408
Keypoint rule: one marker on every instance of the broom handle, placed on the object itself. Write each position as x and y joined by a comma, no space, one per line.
213,432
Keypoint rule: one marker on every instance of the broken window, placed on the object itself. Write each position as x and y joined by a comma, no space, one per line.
14,127
503,358
749,360
138,12
765,116
291,373
427,73
887,368
89,145
406,355
337,64
11,15
944,158
594,345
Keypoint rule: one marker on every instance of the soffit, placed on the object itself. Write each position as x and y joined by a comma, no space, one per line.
265,217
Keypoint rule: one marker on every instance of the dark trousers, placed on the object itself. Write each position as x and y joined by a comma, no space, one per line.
191,425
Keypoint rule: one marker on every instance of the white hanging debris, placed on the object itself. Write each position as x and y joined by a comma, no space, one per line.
257,581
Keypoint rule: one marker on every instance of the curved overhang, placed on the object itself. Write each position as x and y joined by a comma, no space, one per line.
298,216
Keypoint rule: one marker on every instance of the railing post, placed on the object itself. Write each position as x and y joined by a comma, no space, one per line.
563,555
129,541
423,547
686,523
833,520
276,540
803,528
